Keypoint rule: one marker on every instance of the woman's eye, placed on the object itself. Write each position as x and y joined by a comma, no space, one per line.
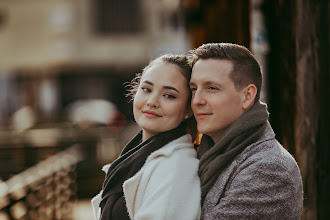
169,96
144,89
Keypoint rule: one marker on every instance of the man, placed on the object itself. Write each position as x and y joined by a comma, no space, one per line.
245,173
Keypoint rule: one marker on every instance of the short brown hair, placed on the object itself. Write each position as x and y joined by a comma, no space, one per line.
246,69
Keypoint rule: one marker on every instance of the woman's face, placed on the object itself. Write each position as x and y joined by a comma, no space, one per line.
160,103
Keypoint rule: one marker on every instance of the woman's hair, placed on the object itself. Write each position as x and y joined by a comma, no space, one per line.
182,62
246,69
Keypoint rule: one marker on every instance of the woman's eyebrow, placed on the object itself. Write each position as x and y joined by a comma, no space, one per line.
165,87
148,82
172,88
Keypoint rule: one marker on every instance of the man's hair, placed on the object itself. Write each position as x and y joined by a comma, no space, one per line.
246,69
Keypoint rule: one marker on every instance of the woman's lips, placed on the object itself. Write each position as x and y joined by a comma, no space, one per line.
151,114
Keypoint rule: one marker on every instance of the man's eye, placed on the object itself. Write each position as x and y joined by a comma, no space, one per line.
212,88
169,96
192,89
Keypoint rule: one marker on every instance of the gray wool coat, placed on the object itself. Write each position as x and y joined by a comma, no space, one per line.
263,182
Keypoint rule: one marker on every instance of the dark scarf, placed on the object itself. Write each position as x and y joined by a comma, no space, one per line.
129,163
215,157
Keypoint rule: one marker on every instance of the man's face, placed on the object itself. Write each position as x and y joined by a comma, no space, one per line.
215,101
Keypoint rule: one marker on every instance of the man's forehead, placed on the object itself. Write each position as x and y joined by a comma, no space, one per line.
212,68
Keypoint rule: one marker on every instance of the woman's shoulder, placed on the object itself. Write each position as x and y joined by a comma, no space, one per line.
179,153
181,145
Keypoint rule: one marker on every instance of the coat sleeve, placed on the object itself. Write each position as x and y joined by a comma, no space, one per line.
260,189
171,188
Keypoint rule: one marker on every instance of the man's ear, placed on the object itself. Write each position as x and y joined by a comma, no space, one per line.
249,94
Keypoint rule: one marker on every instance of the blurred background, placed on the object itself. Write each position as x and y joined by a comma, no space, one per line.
63,109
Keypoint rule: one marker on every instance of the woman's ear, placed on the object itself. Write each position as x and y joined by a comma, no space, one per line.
249,94
189,113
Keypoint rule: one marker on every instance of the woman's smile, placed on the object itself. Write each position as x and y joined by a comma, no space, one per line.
151,114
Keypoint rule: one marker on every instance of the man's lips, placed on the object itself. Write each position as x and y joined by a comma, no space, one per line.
202,115
150,114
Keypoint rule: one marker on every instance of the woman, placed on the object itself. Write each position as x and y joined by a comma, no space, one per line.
155,176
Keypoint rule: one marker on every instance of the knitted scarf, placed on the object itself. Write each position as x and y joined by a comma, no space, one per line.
215,157
129,163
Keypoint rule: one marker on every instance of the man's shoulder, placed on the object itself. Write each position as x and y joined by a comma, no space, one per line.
267,151
268,158
267,144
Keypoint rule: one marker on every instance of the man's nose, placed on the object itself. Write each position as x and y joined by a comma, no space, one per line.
198,98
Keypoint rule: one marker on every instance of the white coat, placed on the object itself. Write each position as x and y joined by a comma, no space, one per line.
166,187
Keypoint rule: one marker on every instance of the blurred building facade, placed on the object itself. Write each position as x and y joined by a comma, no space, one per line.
55,52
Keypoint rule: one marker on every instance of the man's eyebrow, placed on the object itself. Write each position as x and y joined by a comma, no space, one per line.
191,84
211,83
207,83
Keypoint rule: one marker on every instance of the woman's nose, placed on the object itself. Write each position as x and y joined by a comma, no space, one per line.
153,101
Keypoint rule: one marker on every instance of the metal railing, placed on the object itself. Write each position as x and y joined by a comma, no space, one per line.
44,191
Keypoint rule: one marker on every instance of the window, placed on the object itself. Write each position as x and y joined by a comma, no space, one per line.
119,16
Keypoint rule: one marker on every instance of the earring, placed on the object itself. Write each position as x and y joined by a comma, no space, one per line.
187,116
